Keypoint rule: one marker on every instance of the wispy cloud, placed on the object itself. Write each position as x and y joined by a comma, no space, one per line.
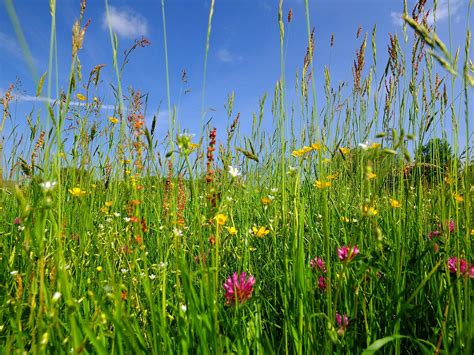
126,23
444,9
30,98
225,56
10,45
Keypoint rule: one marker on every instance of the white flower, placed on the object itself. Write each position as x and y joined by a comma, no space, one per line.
126,219
234,172
162,265
177,232
56,296
152,276
183,307
48,185
116,214
365,145
123,271
14,272
274,190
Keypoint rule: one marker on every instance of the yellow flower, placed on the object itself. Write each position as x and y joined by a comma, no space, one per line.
448,180
232,230
108,203
345,219
113,120
458,198
266,201
104,209
369,211
81,97
332,176
322,184
193,146
394,203
344,151
99,268
220,219
375,145
77,192
260,231
472,231
317,146
371,175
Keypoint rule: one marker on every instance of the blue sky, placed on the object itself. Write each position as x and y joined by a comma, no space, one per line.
243,56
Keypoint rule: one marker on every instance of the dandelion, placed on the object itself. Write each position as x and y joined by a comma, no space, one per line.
394,203
371,175
347,253
81,97
344,151
266,201
317,146
113,120
99,268
232,230
322,184
369,211
220,219
238,288
458,198
345,219
260,231
77,192
448,180
234,172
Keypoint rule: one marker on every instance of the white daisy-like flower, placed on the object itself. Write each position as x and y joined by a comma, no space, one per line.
234,172
48,186
365,145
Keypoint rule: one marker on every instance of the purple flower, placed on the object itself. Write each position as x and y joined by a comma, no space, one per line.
464,267
450,225
17,221
238,288
319,263
342,322
434,234
322,283
346,252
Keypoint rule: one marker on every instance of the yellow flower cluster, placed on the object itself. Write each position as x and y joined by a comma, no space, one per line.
306,149
77,192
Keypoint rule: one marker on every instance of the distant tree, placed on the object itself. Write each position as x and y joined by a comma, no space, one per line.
437,151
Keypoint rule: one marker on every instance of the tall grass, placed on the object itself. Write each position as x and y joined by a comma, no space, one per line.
122,244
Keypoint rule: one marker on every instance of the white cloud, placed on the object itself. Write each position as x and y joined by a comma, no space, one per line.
443,10
125,23
29,98
10,45
225,56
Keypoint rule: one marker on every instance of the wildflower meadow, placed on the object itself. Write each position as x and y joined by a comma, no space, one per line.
336,217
